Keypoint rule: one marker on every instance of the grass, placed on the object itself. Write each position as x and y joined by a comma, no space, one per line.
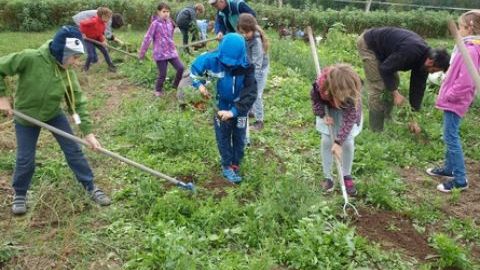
277,218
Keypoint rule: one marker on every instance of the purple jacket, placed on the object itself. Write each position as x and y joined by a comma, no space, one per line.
161,32
458,89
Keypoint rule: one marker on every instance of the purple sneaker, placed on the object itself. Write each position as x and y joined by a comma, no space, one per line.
349,185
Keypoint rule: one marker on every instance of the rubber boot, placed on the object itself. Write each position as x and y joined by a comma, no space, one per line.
376,119
388,110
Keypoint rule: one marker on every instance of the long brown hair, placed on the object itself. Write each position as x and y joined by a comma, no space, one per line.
248,23
472,19
344,84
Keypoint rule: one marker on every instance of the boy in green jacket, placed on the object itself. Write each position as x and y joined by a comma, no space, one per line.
44,81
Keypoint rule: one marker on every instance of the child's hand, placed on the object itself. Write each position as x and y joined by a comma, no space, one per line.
204,91
398,99
225,115
92,141
337,150
328,120
5,106
219,36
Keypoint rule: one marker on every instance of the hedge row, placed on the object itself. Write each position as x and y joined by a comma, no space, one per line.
27,15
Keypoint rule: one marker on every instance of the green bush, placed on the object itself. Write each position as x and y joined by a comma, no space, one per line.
23,15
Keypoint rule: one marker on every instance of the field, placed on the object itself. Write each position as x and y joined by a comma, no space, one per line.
278,218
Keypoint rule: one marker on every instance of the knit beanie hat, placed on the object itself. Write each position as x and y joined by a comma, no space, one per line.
66,42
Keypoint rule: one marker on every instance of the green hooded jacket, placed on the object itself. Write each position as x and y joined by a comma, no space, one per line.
42,85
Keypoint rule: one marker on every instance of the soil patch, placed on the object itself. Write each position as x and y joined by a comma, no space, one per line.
393,231
7,136
218,185
6,196
468,205
116,92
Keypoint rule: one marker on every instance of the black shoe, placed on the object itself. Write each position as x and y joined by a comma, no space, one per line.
447,187
327,185
439,172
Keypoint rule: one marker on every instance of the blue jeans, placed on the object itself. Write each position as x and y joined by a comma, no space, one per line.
27,137
454,161
92,54
230,137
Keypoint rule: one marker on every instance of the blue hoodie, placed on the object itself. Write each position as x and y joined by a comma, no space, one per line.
228,65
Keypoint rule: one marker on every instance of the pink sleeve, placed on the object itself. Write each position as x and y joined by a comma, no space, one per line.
147,40
464,83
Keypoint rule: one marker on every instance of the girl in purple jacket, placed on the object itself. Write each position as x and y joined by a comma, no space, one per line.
164,51
456,94
337,89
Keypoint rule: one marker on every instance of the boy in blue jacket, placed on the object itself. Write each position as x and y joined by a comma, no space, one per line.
236,93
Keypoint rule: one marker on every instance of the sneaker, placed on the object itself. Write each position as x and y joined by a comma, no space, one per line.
19,205
327,185
158,93
112,69
231,176
349,185
100,197
447,187
439,172
257,126
235,168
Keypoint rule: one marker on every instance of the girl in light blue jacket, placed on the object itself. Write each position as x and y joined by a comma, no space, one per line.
257,47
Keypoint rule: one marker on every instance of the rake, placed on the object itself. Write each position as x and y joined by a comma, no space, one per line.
188,186
330,130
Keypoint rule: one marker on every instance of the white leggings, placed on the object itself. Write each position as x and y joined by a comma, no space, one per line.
348,148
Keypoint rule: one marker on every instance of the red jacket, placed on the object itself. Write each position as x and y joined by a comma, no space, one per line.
93,28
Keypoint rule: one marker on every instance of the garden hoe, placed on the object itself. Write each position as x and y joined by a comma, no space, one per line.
337,160
188,186
110,47
196,43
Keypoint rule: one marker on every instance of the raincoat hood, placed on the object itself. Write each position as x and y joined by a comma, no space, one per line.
232,51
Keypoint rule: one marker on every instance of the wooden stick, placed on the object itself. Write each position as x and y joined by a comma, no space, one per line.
472,70
111,47
314,50
196,43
